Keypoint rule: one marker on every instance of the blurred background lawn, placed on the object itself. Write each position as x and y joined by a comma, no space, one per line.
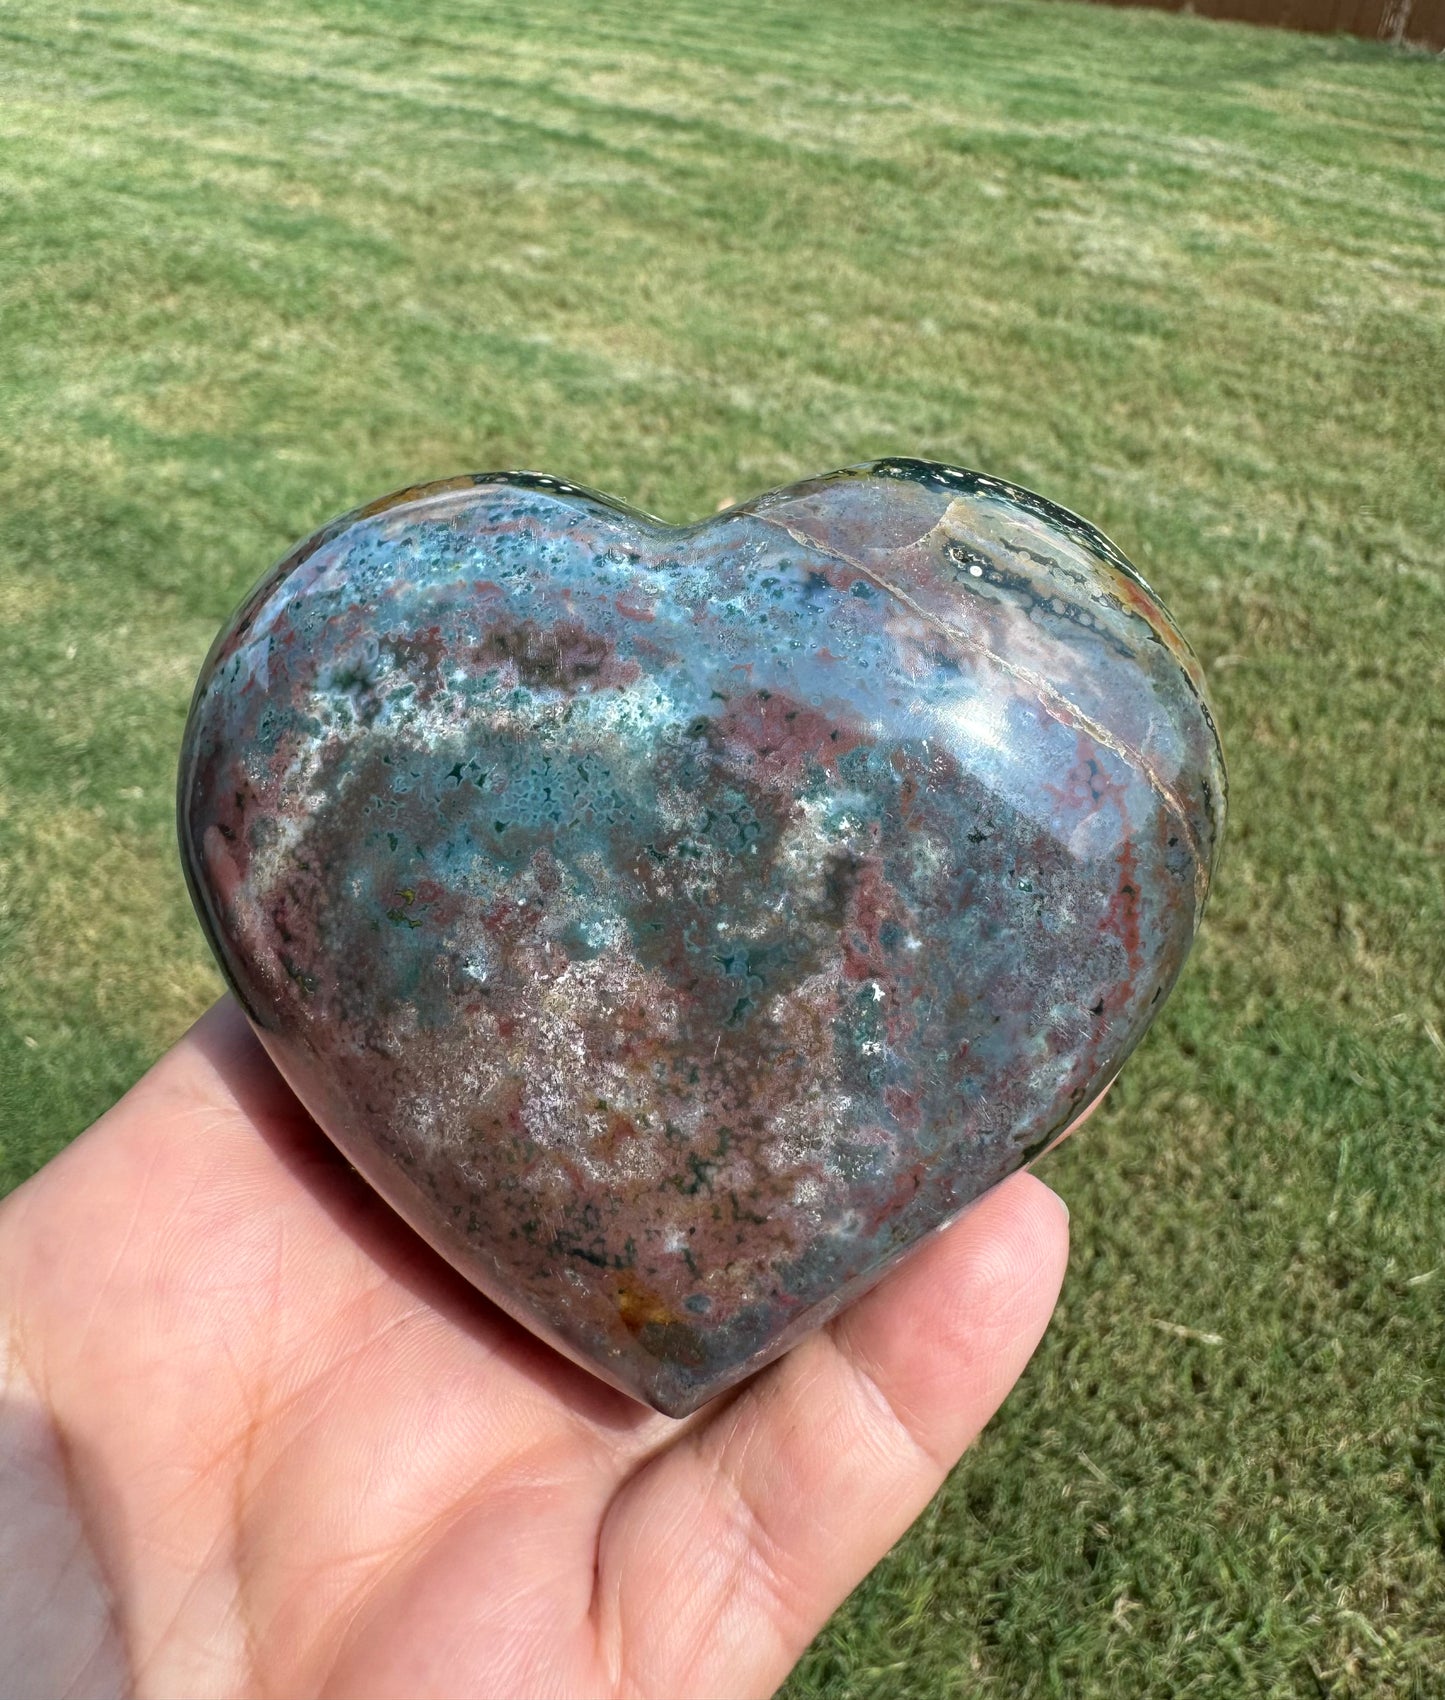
261,262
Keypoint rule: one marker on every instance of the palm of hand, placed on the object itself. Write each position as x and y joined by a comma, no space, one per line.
257,1440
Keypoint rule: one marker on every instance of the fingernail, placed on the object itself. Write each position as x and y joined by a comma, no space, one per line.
1059,1201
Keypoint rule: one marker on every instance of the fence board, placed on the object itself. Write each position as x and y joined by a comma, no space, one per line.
1421,22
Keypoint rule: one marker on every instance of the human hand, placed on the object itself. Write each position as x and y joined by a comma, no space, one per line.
256,1439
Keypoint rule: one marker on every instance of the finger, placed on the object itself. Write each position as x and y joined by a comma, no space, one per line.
721,1558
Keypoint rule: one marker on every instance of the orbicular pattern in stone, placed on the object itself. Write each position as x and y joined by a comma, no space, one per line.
677,924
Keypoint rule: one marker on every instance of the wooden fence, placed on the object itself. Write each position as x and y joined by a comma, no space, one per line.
1421,22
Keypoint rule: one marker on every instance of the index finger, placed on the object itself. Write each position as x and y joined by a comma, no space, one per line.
720,1559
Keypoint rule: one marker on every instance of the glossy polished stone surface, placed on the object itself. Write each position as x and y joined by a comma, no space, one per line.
677,924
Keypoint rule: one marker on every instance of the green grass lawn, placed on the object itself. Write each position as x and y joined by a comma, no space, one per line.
261,262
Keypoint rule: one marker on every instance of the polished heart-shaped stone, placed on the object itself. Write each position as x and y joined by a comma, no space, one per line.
677,924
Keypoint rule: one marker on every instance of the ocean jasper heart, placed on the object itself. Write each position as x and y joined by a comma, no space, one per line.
676,924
